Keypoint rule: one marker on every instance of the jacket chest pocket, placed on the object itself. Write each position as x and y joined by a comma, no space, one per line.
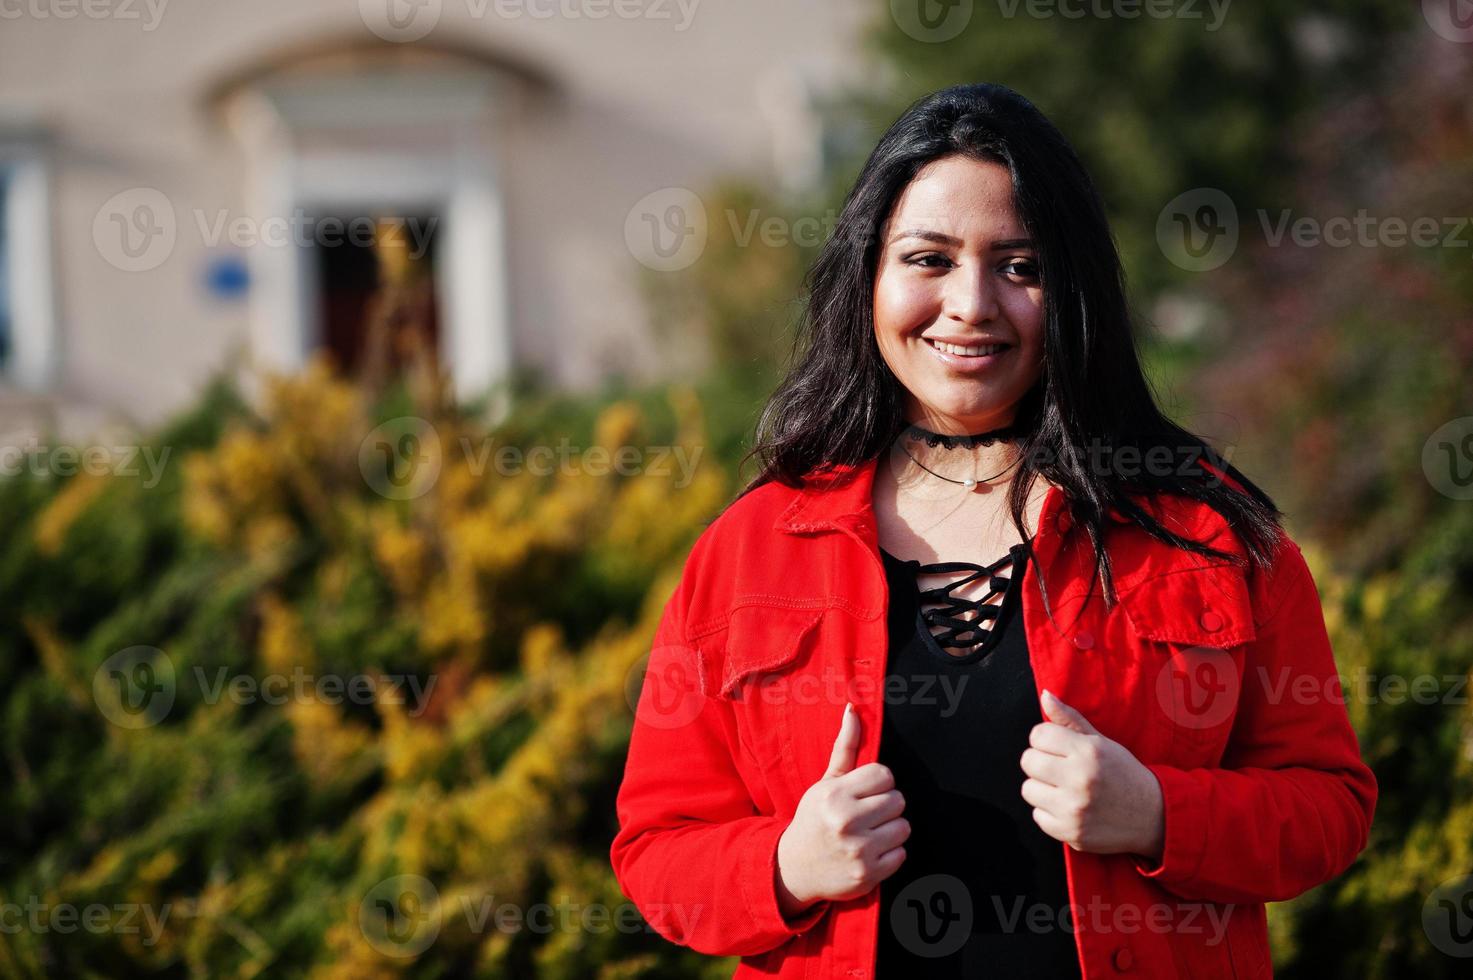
1192,629
768,661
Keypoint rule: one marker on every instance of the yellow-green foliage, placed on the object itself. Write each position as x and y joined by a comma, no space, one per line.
262,827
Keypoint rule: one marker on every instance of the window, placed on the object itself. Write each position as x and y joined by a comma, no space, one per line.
356,141
377,289
28,347
5,303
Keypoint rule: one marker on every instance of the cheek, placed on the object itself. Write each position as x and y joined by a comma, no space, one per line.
1025,312
900,305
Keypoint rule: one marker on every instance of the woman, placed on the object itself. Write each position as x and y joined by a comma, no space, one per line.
993,670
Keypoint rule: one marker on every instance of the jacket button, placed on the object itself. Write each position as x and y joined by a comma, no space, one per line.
1084,639
1123,959
1211,621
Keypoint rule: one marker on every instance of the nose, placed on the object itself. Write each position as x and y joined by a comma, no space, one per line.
971,295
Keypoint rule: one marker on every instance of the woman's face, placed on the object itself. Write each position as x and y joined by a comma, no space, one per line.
956,268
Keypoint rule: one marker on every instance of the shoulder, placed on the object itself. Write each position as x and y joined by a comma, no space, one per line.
1263,587
735,551
750,517
761,506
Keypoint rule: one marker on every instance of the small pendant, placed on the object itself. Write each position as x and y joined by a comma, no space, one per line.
970,484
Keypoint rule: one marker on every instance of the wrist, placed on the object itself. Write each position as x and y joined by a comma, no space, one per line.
1153,846
790,903
1153,840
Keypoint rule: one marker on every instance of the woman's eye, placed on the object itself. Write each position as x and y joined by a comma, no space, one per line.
1023,267
930,261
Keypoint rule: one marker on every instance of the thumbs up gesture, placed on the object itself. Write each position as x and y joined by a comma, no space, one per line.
847,831
1088,791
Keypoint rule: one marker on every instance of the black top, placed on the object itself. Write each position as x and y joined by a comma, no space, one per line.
982,891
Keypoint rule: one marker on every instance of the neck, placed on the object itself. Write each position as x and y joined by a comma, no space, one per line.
951,438
991,458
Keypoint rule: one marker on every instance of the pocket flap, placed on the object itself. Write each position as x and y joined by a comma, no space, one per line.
756,638
1207,606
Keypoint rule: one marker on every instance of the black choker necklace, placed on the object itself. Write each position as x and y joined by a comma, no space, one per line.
934,439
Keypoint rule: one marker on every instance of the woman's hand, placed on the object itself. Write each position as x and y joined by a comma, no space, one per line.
1088,791
846,833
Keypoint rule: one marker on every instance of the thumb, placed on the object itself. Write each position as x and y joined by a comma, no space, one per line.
1060,713
846,746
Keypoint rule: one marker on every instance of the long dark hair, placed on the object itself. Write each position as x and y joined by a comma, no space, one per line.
840,403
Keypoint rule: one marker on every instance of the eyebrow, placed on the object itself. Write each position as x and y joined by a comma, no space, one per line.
944,239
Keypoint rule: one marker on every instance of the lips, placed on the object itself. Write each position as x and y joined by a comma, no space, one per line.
967,364
966,348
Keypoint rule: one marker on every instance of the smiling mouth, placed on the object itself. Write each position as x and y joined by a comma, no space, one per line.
981,350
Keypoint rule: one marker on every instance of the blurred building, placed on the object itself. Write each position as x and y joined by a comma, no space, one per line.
195,183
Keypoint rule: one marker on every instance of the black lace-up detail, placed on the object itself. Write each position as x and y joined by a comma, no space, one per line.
947,609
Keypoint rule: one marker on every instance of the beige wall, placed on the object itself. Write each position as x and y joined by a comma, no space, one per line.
636,104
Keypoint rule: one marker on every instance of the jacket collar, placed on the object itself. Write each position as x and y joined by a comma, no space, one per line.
834,495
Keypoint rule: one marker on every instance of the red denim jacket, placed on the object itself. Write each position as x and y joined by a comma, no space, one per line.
1219,678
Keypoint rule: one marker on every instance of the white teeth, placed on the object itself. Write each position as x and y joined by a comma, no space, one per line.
968,351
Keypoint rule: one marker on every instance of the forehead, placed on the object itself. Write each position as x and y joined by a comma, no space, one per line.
959,196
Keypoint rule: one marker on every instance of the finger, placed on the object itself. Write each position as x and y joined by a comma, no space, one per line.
846,745
1053,738
888,835
889,863
1044,766
870,779
1057,711
1051,825
872,811
1042,795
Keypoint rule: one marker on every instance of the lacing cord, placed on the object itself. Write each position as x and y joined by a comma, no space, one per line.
945,615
